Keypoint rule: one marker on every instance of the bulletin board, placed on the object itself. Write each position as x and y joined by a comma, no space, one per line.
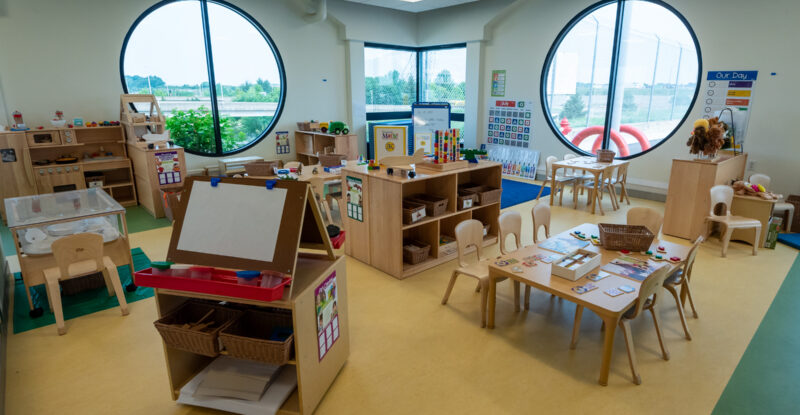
428,117
262,230
510,123
730,90
390,140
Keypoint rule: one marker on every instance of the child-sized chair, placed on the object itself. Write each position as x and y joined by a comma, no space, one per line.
561,180
680,278
511,224
76,256
647,217
722,194
540,213
470,233
781,207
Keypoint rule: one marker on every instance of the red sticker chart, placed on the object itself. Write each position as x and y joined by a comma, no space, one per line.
510,123
327,315
734,90
168,167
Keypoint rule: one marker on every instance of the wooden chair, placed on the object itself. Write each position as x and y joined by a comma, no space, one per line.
294,165
540,213
621,179
649,218
680,278
76,256
606,184
722,194
511,224
470,233
780,208
561,180
578,175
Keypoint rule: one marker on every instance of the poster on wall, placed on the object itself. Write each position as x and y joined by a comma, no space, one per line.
734,90
390,140
168,167
327,315
355,199
510,123
499,83
282,142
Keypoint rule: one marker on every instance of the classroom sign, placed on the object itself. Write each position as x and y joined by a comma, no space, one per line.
168,167
498,83
282,142
355,199
390,140
327,314
734,90
510,123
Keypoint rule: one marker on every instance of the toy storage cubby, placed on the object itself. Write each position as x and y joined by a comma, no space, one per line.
310,144
99,150
302,251
378,239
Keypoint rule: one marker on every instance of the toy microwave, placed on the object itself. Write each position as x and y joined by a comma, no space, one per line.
41,138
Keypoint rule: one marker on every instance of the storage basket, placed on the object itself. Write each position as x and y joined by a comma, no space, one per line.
486,194
605,156
795,225
466,199
634,238
304,126
249,337
331,160
415,252
434,205
196,341
261,168
412,212
74,286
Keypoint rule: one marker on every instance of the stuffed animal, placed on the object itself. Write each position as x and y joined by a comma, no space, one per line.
707,137
749,189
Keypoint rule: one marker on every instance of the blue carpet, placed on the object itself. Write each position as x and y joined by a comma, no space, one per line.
791,239
515,192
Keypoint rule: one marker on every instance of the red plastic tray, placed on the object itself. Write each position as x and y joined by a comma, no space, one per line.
338,240
222,282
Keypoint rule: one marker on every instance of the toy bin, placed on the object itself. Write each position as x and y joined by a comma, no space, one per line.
486,194
466,200
434,205
260,335
415,252
195,326
412,212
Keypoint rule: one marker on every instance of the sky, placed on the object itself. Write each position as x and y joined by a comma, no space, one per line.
169,43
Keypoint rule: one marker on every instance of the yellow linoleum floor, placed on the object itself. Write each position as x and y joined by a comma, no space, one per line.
410,354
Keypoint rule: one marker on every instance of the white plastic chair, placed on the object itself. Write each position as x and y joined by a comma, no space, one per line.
780,206
722,194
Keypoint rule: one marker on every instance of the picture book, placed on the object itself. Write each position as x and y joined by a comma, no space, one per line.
630,267
564,245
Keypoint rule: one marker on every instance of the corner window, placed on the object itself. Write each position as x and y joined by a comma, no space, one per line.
623,76
177,50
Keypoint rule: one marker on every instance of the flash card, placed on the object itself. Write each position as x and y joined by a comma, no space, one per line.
613,292
597,276
626,288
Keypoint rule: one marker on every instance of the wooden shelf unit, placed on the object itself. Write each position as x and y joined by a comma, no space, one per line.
310,143
80,141
313,376
378,240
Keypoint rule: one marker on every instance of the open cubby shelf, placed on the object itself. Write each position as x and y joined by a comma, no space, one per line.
308,144
378,240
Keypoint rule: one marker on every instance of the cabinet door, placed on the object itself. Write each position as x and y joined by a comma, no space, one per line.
16,175
59,178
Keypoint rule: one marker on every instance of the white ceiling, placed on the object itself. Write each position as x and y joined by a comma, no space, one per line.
413,7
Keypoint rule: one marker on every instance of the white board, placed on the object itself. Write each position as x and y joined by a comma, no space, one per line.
215,222
427,120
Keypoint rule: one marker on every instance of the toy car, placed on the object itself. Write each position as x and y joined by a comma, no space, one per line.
323,126
337,127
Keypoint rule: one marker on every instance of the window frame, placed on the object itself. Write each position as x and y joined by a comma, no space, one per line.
210,68
382,116
613,76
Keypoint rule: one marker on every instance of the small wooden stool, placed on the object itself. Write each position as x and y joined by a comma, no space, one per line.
76,256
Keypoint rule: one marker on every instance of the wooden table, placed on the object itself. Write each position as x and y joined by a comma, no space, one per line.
610,309
586,164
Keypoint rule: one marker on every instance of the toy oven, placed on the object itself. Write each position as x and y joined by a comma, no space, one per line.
43,138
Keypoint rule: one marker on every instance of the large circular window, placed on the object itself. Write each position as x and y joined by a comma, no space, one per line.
177,49
622,75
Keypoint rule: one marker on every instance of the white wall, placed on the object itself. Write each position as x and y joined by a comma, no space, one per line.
757,44
65,55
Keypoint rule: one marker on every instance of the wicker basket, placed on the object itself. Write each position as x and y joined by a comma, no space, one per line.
261,168
605,156
635,238
249,337
304,126
434,205
795,225
74,286
195,341
415,252
331,160
486,194
412,212
466,199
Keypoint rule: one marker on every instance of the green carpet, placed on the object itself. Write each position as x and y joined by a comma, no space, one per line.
766,379
79,304
141,220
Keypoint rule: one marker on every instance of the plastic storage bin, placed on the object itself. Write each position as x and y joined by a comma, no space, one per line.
161,268
201,273
180,270
247,277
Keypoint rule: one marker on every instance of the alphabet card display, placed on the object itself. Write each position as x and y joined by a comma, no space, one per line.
510,123
327,314
282,142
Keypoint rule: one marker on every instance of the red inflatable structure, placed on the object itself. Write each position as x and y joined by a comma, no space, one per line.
615,137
